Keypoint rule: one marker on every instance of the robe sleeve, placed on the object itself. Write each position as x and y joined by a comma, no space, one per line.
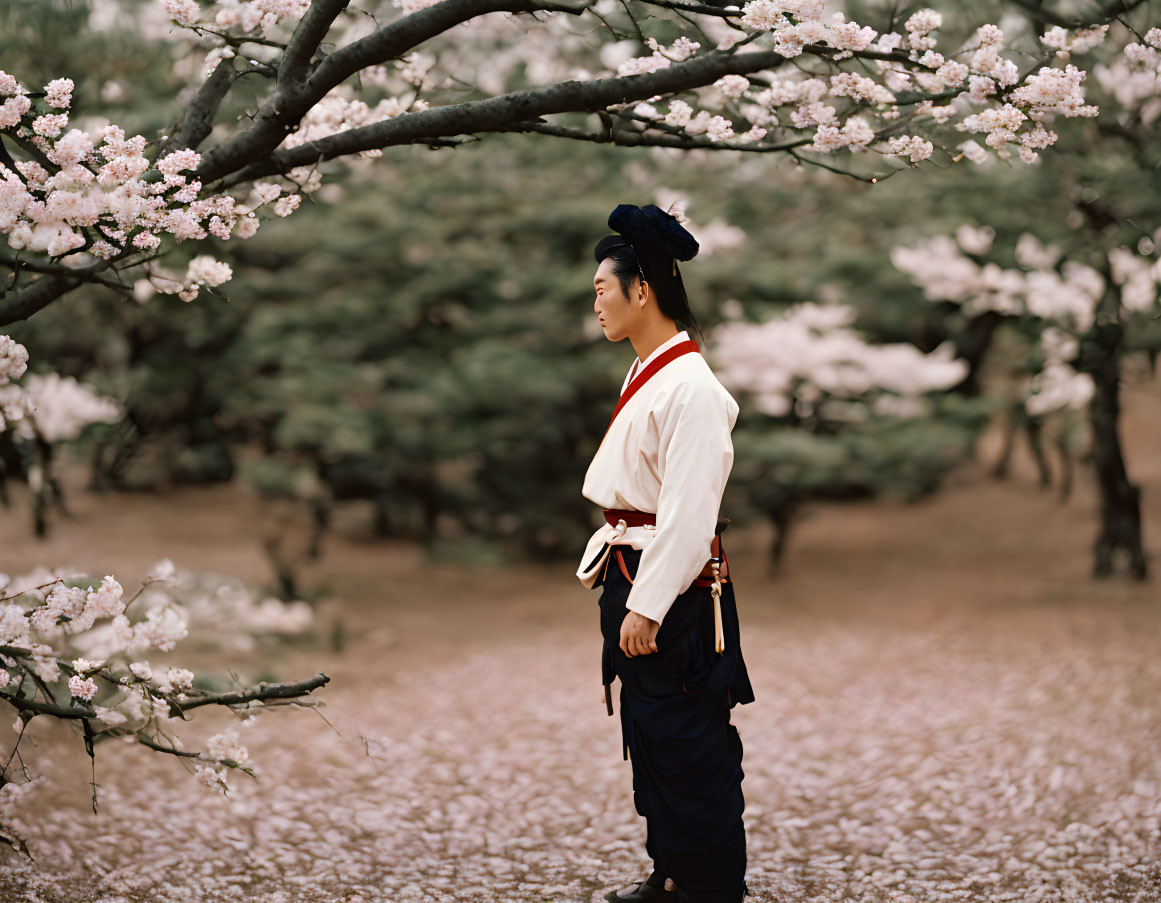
695,454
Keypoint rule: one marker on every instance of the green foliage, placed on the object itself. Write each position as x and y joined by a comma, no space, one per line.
777,467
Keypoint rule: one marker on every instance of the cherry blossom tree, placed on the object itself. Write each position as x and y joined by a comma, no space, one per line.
1090,295
1082,312
70,650
830,404
771,76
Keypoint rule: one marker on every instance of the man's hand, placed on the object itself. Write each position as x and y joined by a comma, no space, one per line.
638,634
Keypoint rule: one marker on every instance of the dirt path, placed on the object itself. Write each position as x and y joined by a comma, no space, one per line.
948,709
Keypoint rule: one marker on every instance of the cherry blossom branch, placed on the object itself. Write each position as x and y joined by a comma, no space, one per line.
21,305
47,708
198,120
260,692
690,6
16,264
496,114
295,96
1119,8
627,138
311,30
407,33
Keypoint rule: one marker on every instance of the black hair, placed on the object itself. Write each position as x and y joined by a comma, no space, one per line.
656,268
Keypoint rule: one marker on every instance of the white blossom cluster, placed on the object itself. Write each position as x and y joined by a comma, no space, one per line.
57,408
1064,296
13,359
100,202
1134,77
1057,385
338,111
51,406
979,77
244,15
61,616
97,199
808,356
214,600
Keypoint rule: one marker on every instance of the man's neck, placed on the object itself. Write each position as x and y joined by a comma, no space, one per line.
647,343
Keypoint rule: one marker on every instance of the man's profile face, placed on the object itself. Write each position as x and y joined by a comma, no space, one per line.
616,312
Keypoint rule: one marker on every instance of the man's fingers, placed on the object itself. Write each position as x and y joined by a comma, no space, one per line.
635,640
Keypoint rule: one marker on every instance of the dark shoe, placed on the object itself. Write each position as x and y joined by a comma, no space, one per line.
645,893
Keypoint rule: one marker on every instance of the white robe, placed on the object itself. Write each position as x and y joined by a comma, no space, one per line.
669,452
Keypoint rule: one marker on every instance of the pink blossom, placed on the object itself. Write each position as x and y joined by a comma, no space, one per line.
679,113
643,64
13,109
732,86
719,128
186,12
50,124
58,92
9,85
923,21
1056,90
72,148
850,35
178,160
13,359
287,205
990,34
912,145
33,172
246,227
82,687
141,670
204,270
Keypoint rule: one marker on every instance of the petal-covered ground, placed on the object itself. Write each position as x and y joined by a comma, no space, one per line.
893,764
948,709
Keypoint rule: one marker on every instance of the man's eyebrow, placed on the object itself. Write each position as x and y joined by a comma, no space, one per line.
599,280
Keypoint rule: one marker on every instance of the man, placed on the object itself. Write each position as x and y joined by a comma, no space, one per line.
671,630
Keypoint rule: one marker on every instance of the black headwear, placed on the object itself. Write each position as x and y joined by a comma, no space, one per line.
652,233
657,241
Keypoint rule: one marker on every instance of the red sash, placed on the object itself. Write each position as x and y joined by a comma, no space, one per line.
643,377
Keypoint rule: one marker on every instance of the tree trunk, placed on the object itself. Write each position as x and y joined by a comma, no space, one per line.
1120,499
1034,427
1008,442
972,346
781,515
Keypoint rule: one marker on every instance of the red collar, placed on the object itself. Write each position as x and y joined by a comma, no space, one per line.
643,377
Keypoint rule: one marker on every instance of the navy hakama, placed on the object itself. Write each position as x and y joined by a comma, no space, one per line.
686,755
